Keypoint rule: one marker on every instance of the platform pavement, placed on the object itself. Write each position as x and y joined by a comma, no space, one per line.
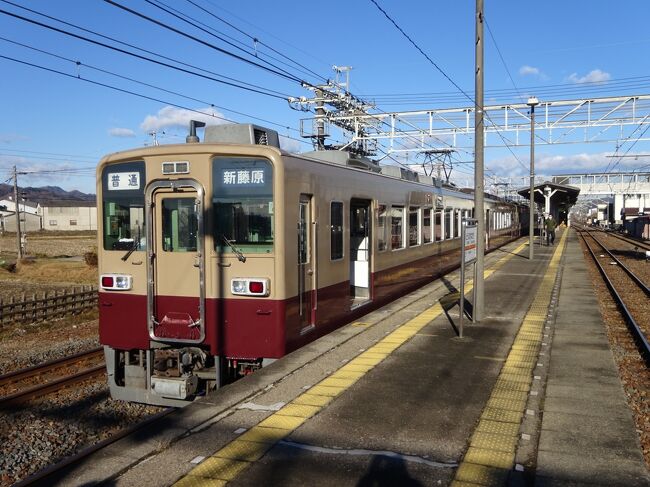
587,433
398,399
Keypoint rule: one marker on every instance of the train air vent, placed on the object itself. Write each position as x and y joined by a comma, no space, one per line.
261,138
233,133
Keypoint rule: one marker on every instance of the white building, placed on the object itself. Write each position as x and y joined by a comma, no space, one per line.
68,215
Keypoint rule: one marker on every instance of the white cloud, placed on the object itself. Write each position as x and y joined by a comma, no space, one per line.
526,70
594,76
121,132
168,117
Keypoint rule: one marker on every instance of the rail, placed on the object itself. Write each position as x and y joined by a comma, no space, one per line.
53,473
40,369
633,326
50,305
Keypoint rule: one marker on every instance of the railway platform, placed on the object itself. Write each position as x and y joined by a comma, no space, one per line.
529,396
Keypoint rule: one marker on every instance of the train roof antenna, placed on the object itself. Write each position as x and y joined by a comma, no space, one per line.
193,138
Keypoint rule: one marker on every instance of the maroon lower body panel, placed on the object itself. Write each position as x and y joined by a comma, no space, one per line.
123,321
255,328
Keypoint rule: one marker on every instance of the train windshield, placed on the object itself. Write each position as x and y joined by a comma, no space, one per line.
123,206
243,204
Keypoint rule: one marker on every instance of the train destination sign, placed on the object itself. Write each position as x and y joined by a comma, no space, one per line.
118,181
242,177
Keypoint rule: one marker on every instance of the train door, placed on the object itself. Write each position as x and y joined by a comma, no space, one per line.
175,268
307,288
360,245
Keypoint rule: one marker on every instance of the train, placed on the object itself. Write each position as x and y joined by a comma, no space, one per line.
218,257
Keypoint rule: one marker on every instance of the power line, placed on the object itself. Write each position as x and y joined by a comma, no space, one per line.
89,66
205,43
237,84
257,41
122,90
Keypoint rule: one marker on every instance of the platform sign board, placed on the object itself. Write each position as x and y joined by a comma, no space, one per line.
468,237
469,241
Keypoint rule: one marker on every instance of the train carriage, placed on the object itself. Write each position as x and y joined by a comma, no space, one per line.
217,258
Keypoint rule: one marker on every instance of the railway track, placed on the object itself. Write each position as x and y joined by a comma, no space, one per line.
23,385
628,290
641,244
52,473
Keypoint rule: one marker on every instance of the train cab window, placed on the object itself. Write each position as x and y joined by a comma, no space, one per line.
123,206
336,230
438,226
243,204
397,227
426,225
448,224
414,226
382,215
180,224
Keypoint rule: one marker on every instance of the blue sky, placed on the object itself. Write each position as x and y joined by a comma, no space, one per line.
54,122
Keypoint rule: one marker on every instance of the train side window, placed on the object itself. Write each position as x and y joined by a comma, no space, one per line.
426,225
414,226
382,215
457,223
336,230
448,224
397,227
123,206
438,226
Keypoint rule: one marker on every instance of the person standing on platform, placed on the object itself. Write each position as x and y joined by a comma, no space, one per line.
550,230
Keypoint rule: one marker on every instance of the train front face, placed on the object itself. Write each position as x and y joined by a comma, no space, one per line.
187,260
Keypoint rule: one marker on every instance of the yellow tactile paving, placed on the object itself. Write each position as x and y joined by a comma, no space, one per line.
336,382
490,458
480,474
243,450
491,453
498,428
282,422
232,459
313,400
502,415
194,481
261,434
491,441
219,468
300,410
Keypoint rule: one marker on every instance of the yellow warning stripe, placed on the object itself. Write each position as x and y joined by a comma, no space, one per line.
491,453
236,456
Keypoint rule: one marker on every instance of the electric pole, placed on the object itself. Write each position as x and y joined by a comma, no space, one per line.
19,247
479,212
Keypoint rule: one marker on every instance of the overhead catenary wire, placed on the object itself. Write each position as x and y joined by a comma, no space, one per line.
240,85
505,140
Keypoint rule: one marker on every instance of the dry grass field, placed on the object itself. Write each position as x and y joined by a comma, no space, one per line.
53,262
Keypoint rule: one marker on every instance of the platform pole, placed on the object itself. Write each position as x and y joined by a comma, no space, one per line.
479,129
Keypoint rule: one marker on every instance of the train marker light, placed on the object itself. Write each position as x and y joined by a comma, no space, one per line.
116,282
255,286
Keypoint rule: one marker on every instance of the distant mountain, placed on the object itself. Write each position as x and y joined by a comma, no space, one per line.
45,193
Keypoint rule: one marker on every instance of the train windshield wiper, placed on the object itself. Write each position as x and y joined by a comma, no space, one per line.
240,256
134,247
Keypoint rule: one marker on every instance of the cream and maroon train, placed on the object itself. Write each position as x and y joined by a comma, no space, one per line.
217,258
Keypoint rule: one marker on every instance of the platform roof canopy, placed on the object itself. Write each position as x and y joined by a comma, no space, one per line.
553,197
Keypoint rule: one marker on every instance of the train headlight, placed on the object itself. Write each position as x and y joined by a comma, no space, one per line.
250,286
116,282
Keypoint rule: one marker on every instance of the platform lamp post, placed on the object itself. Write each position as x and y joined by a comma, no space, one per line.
532,103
